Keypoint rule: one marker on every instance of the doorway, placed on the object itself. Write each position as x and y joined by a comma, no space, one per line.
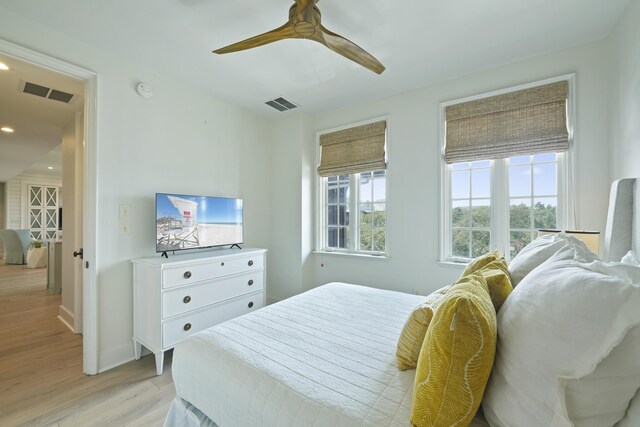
81,217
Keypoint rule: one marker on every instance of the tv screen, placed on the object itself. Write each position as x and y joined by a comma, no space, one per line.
194,222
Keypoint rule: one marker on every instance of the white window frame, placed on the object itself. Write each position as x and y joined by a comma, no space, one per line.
499,178
492,193
321,201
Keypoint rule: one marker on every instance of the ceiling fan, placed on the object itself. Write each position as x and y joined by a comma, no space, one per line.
304,23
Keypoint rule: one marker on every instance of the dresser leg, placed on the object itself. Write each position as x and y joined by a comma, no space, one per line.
159,362
137,349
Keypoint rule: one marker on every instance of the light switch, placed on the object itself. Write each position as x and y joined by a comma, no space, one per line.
125,227
125,211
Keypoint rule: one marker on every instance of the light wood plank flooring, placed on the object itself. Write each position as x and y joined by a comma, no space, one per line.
41,379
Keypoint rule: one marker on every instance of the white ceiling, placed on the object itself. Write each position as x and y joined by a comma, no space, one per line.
419,41
37,122
52,159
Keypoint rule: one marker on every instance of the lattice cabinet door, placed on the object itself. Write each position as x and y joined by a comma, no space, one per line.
43,211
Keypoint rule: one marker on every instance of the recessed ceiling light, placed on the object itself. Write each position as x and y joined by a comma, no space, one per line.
50,167
3,66
6,129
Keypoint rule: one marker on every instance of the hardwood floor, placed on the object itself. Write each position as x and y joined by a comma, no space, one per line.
41,379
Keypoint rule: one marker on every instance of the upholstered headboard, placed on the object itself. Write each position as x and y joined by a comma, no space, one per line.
623,221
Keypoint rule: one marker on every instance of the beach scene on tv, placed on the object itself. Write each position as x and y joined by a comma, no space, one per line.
190,222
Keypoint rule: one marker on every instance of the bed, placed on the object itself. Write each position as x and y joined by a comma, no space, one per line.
325,357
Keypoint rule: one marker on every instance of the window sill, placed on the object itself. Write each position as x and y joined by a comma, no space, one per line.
354,255
451,264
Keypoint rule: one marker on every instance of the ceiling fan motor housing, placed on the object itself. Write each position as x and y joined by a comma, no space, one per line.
305,23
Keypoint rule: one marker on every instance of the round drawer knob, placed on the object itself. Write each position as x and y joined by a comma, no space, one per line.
186,299
251,304
187,274
250,282
187,326
222,264
250,263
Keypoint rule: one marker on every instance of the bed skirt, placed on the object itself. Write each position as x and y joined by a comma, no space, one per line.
183,414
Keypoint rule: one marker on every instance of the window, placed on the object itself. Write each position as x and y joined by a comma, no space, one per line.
533,198
372,211
470,209
338,211
529,185
505,169
352,197
364,232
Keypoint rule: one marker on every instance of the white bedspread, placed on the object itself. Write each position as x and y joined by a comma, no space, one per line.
322,358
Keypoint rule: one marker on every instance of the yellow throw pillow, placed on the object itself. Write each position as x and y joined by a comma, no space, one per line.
456,356
414,330
496,273
480,262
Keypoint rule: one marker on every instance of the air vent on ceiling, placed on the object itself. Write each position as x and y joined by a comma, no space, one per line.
61,96
45,92
281,104
35,89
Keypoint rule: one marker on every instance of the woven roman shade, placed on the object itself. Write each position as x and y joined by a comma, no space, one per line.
354,150
524,122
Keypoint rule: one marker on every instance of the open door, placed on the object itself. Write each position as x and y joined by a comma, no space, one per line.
78,226
72,219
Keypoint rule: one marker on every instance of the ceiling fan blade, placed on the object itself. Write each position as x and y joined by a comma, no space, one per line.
348,49
287,31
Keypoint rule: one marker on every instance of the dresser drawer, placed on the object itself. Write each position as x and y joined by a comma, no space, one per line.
191,298
187,274
175,330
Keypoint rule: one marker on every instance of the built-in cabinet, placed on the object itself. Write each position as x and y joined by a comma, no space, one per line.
43,211
177,297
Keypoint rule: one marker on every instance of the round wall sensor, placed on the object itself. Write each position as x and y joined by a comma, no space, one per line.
144,91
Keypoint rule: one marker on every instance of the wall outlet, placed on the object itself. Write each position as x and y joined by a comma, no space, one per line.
125,227
125,211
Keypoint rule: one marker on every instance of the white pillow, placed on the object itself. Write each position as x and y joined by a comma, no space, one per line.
540,250
632,419
631,259
602,397
556,332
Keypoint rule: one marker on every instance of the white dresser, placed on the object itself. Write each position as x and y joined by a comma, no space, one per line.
177,297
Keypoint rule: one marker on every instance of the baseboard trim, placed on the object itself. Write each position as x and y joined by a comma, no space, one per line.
115,357
67,318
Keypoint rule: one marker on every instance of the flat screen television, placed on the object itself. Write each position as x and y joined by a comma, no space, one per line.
196,222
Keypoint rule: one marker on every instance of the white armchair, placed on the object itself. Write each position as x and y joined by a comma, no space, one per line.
16,243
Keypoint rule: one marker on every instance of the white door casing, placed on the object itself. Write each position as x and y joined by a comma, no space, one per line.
90,188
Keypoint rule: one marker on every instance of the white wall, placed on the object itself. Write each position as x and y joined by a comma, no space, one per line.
285,274
414,168
182,141
624,101
291,224
16,200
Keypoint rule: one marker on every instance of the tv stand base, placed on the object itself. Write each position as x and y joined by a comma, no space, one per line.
235,245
